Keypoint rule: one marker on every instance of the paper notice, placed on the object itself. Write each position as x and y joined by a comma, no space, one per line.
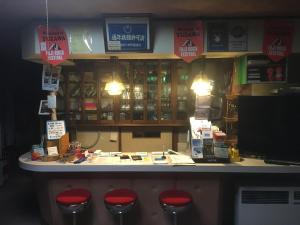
114,136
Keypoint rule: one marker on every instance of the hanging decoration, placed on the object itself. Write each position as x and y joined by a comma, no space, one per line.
278,39
188,40
53,43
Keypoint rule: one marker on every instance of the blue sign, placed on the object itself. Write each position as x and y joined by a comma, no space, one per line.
127,35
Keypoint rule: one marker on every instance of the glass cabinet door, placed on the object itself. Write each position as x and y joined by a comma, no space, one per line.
74,94
106,101
182,91
152,88
89,92
165,94
125,97
138,91
60,97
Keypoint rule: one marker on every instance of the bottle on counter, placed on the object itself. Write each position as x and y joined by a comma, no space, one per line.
234,154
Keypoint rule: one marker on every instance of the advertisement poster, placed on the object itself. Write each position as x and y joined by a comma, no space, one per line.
217,36
188,40
128,34
278,39
238,36
55,129
50,78
53,44
262,69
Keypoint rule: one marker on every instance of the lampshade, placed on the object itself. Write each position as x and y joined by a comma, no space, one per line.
202,87
114,88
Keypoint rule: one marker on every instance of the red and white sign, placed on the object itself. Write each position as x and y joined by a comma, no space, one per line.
54,46
278,39
188,40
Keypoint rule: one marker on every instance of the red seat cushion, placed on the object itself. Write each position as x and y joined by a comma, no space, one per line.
175,197
73,196
120,197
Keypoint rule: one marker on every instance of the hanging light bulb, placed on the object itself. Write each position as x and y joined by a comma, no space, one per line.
202,87
114,87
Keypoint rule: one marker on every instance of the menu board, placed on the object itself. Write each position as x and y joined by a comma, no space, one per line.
260,68
55,129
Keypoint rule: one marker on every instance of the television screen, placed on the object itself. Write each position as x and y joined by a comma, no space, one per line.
269,126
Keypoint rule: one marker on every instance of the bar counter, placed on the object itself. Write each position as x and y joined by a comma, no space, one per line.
213,187
247,165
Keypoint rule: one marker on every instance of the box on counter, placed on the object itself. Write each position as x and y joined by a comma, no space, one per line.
197,148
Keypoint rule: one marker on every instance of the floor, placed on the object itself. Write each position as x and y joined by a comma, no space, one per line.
18,203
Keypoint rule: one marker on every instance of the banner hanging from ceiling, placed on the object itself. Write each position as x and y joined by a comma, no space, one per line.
188,40
54,47
278,39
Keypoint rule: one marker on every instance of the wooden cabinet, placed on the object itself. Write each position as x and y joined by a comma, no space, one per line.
157,92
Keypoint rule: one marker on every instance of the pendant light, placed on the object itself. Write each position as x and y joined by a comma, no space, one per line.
114,87
201,85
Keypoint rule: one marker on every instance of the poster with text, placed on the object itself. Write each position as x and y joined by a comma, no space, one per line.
278,39
50,78
127,34
188,40
217,36
238,36
55,129
53,44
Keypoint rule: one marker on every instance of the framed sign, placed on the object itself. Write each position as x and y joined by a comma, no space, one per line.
43,109
217,36
55,129
127,34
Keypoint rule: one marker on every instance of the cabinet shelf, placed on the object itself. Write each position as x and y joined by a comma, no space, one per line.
231,119
144,101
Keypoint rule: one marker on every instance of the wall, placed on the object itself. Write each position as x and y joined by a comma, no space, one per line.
130,144
163,40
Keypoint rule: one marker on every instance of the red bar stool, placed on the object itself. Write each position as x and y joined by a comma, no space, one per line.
120,201
73,201
175,201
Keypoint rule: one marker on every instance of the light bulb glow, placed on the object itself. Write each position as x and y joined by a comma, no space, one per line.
114,88
202,87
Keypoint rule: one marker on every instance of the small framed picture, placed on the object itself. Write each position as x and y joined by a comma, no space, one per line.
44,110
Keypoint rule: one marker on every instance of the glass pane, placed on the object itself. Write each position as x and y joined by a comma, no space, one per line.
152,87
104,72
138,91
61,95
125,106
74,90
182,91
89,96
165,99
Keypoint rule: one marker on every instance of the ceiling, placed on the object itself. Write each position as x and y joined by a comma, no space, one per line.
16,13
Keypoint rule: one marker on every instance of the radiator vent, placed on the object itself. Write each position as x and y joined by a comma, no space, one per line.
266,197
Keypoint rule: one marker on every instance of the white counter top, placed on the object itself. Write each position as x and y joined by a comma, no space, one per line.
245,166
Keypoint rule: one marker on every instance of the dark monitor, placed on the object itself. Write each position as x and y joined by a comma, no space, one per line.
269,127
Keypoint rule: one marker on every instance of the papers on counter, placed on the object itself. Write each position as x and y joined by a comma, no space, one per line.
181,159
